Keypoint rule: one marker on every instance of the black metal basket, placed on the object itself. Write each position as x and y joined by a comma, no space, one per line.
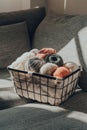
44,88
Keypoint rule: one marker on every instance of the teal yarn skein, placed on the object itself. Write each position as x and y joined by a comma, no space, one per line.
55,59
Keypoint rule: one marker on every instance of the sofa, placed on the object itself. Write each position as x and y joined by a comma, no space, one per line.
21,31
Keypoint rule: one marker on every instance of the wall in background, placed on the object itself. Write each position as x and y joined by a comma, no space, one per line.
68,6
13,5
76,6
56,5
59,6
9,5
36,3
25,4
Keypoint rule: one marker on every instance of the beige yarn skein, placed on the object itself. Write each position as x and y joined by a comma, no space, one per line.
71,65
48,69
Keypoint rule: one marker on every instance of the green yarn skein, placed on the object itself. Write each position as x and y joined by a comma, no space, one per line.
54,58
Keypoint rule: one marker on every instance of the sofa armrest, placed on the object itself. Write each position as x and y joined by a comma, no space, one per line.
32,16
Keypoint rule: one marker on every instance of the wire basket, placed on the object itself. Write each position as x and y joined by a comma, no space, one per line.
44,88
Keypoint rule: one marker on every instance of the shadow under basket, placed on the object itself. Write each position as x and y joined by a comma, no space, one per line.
44,88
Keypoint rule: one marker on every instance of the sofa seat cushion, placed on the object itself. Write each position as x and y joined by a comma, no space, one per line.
67,34
42,117
14,40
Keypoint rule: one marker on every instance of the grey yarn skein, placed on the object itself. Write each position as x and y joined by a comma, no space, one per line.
35,64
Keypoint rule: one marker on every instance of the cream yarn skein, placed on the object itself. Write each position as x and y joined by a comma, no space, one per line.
71,65
48,69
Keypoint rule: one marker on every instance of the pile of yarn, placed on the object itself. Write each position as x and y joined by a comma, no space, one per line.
46,61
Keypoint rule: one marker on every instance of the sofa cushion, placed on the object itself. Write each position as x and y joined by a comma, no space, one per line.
14,41
67,34
42,117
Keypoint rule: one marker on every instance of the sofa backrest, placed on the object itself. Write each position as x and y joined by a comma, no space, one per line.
16,33
32,16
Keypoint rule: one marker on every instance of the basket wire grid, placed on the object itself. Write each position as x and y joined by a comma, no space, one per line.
44,88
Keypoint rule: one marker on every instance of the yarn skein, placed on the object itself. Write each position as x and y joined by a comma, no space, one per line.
35,64
31,55
47,51
48,69
71,65
44,52
20,61
54,58
40,56
61,72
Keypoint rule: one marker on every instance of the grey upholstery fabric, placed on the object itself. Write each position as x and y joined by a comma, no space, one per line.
42,117
32,16
14,41
68,35
52,31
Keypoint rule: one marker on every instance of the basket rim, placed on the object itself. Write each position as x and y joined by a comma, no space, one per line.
45,76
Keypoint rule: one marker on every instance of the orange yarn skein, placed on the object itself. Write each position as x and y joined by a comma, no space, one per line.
61,72
44,52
